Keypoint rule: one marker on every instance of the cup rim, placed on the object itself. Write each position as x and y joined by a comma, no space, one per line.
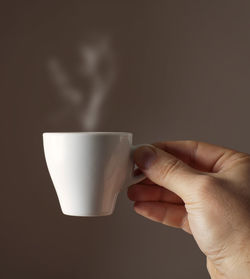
88,133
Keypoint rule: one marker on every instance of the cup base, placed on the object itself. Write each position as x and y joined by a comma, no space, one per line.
88,214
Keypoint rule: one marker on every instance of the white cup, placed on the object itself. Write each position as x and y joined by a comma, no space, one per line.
89,169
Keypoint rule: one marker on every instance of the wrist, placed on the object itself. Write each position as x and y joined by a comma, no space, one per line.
236,266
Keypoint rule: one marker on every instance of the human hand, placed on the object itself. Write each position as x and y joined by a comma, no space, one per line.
205,190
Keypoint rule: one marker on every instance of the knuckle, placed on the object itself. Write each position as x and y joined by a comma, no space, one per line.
169,168
236,159
192,143
206,185
242,157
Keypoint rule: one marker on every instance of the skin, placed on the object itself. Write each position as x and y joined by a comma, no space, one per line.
203,189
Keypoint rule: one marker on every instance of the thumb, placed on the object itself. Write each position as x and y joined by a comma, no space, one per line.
166,170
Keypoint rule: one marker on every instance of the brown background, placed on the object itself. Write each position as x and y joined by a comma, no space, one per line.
184,73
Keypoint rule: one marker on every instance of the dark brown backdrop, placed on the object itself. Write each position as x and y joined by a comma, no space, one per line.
184,69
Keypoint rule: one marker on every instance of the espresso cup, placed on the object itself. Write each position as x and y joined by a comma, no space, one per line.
89,169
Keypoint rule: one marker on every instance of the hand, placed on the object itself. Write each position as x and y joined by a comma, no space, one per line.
205,190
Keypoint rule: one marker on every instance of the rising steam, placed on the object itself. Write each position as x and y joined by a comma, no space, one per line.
95,70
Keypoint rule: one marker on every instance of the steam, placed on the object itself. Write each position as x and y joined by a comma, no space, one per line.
85,90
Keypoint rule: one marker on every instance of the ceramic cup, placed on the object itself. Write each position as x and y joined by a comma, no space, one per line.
89,169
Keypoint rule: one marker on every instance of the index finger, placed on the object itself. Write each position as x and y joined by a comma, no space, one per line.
199,155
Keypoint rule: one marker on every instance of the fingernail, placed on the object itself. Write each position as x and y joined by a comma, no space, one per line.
144,157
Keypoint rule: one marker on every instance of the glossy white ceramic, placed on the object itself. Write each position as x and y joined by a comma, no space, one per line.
88,169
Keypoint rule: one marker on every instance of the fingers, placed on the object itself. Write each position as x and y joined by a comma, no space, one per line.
166,213
200,155
141,192
145,181
166,170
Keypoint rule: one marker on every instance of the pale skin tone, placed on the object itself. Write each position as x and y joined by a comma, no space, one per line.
203,189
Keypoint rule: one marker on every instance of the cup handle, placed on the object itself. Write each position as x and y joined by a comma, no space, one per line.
136,178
